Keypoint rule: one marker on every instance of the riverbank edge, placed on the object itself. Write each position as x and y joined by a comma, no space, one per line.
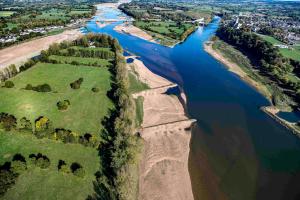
181,101
234,68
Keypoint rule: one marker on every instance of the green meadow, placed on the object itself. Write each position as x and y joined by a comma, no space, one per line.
87,108
36,183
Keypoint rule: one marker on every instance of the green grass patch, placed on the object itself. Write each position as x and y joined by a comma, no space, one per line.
139,110
82,61
135,85
6,13
168,33
292,52
87,108
36,183
79,12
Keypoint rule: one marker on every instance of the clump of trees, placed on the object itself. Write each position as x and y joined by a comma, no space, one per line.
63,105
40,160
76,84
39,88
10,171
74,168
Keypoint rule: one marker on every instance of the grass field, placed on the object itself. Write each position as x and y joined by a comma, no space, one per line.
82,61
135,84
84,115
87,108
6,13
36,183
168,33
293,52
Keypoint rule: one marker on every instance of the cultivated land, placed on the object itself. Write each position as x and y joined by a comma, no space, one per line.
87,110
88,105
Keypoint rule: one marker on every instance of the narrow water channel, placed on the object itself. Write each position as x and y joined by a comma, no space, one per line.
237,151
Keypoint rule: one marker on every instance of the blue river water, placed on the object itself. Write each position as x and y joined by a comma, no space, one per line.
237,151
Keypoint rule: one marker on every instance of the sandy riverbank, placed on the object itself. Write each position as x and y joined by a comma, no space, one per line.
166,132
135,31
18,54
233,67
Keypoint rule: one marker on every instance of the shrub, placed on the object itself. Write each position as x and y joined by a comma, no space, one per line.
63,167
43,126
94,89
28,87
77,170
9,84
76,84
63,105
40,160
25,124
39,88
8,122
18,163
7,178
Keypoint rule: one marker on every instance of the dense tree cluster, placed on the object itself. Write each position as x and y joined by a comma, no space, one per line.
268,58
118,145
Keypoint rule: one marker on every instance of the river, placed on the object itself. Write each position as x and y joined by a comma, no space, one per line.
237,151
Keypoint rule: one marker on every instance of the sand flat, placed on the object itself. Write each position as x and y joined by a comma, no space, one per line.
166,132
21,52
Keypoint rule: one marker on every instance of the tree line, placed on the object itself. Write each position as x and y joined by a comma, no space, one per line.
267,58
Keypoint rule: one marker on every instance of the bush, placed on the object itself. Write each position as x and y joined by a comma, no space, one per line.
25,124
39,88
76,84
63,167
18,164
9,84
8,122
94,89
43,126
63,105
28,87
40,160
77,170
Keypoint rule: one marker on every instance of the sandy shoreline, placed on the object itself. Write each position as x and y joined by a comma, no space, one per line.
20,53
166,132
270,110
237,70
134,31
